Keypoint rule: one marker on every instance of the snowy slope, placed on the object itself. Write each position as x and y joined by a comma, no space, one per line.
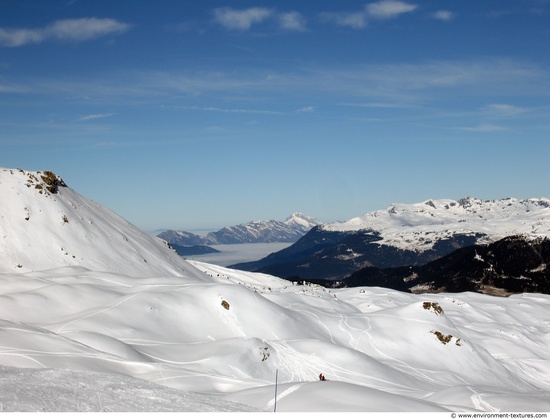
75,328
227,335
419,226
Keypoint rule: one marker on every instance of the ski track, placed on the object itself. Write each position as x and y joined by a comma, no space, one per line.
299,366
318,321
99,311
479,402
20,355
397,363
271,404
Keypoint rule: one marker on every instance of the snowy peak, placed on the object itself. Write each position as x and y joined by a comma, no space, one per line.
301,222
288,231
45,224
408,225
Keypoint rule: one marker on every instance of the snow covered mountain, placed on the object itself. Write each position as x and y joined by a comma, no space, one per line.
288,231
108,331
405,234
420,226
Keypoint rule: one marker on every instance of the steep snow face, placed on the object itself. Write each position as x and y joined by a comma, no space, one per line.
419,226
45,224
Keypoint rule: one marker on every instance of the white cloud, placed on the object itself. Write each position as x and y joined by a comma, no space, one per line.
356,20
503,109
306,109
483,128
292,21
231,110
387,9
94,116
64,30
444,15
241,20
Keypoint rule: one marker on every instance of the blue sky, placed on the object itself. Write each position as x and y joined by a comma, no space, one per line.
201,114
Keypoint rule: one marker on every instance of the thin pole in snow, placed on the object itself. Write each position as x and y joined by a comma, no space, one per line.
276,379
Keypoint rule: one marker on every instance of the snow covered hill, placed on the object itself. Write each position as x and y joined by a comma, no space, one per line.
45,224
107,331
288,231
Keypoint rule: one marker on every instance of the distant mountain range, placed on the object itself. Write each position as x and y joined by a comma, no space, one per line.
288,231
405,235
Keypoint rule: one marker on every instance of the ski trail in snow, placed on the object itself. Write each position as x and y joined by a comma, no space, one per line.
305,367
20,355
397,363
344,322
353,340
99,311
298,365
318,321
270,404
480,403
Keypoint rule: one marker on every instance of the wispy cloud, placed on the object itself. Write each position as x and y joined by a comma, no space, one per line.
387,9
245,19
398,85
306,109
378,105
504,110
231,110
483,128
354,20
384,9
83,29
292,21
444,15
94,116
241,20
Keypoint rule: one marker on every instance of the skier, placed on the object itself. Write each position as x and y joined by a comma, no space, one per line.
322,377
